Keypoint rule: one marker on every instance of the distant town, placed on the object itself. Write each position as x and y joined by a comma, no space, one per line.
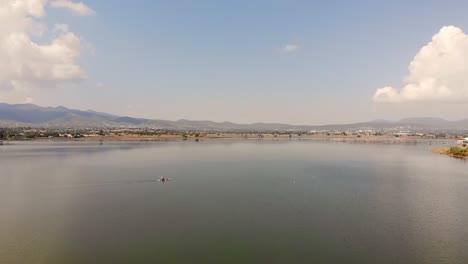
28,122
28,133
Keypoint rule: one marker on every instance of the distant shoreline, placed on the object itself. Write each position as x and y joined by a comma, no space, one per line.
230,135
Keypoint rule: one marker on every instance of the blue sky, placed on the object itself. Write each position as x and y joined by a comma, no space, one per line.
225,60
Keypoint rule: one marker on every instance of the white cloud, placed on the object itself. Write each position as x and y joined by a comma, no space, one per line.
25,64
78,8
61,28
290,48
438,72
17,94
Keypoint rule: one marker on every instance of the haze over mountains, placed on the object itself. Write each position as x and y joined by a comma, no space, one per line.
30,115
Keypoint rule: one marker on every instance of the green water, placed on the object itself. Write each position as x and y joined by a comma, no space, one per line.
232,201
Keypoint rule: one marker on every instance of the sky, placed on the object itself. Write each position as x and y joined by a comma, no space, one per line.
296,62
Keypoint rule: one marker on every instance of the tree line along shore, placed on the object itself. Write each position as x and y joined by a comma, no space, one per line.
122,134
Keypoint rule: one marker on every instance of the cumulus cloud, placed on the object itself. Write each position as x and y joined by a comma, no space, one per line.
26,64
438,72
19,94
290,48
78,8
61,28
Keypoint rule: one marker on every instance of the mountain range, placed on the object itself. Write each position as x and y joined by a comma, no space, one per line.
30,115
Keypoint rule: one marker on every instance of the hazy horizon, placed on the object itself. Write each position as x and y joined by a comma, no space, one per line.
259,121
244,62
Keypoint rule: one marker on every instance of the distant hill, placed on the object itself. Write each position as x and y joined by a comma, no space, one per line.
430,121
30,115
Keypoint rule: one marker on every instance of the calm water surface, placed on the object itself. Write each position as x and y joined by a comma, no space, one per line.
232,201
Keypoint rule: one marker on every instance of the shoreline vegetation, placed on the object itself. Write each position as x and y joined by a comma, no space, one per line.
456,151
197,136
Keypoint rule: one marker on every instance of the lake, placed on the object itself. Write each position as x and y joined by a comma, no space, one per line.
232,201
